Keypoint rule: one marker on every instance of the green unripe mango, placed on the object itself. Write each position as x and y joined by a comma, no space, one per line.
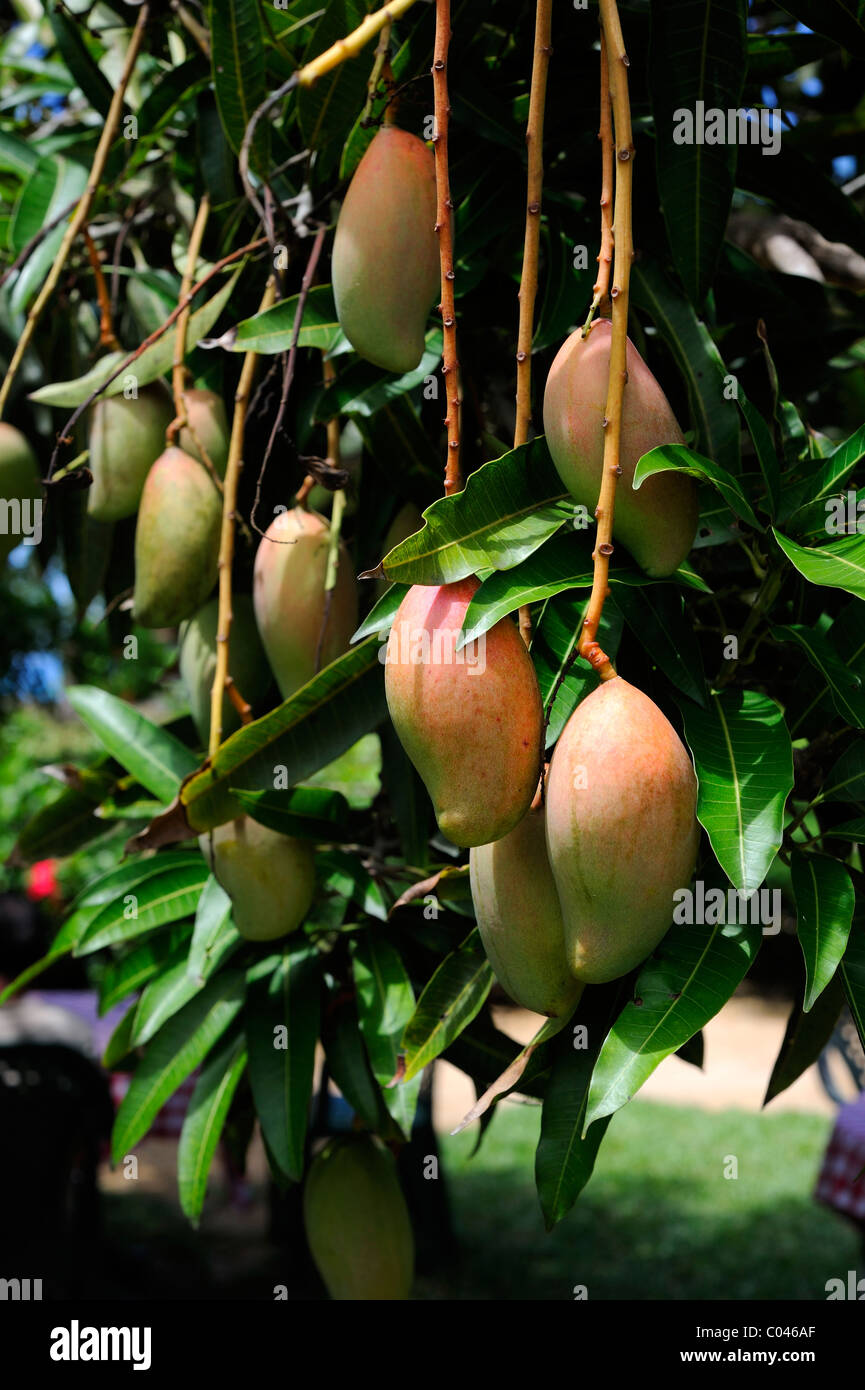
470,721
357,1222
622,832
658,522
289,596
20,490
247,663
520,920
207,422
176,540
385,265
125,437
269,877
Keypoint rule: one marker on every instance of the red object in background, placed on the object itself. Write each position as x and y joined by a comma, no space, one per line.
42,881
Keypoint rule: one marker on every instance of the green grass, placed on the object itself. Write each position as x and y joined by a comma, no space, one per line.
658,1219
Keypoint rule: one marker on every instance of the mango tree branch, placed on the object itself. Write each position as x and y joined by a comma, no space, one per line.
82,210
623,247
605,135
148,342
351,45
178,367
332,571
444,229
233,470
529,277
107,338
381,53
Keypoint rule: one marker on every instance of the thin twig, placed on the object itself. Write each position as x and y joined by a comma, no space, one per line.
590,650
148,342
82,211
35,241
444,229
381,54
178,366
107,338
191,24
233,470
529,276
605,135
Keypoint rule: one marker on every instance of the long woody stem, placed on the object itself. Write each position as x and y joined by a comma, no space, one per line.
178,366
531,244
624,252
444,228
605,135
226,542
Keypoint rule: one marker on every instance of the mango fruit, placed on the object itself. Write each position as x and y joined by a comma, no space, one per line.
385,265
520,920
205,412
288,591
622,832
658,522
357,1222
269,877
247,663
20,490
176,540
470,721
125,437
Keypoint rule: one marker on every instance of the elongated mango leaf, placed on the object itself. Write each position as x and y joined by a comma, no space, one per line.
348,1064
80,61
327,109
156,758
678,458
324,718
272,330
761,437
238,57
118,1049
565,1158
451,999
131,972
853,971
845,685
685,982
154,362
67,822
825,900
307,813
380,618
841,21
281,1022
744,763
385,1003
177,1049
511,1077
715,415
362,389
697,61
16,156
849,830
344,875
164,898
506,510
805,1037
53,185
833,473
655,614
563,681
166,995
840,565
204,1122
484,1053
211,915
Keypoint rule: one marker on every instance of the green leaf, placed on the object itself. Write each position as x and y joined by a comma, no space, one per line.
165,897
846,781
204,1122
155,758
565,1158
281,1020
771,56
238,59
53,185
119,1047
379,620
678,458
656,616
309,813
401,447
840,565
844,685
344,875
175,986
175,91
80,62
323,719
348,1064
154,362
556,634
326,111
761,437
449,1001
385,1003
131,972
806,1036
744,763
363,389
840,20
853,971
832,474
824,908
272,330
687,980
699,362
697,55
16,156
67,822
211,915
177,1050
505,511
